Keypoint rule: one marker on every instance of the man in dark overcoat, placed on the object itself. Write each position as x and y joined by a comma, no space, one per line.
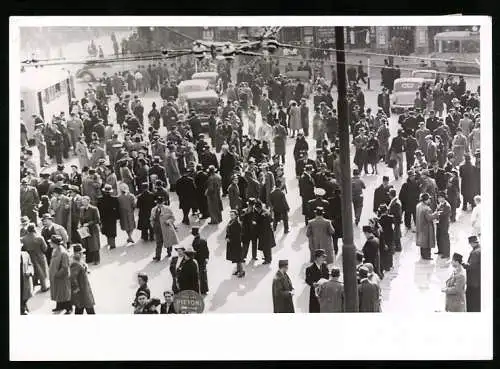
473,269
202,255
306,189
90,217
282,290
145,203
371,249
443,226
186,190
467,174
200,181
108,209
279,206
381,195
265,234
316,271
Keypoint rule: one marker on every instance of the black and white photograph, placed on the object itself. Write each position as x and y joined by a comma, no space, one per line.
250,168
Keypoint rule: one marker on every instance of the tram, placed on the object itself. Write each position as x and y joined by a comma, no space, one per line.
45,92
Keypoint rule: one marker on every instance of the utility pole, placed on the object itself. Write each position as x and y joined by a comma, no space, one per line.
348,248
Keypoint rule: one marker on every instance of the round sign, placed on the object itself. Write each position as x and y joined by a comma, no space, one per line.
188,302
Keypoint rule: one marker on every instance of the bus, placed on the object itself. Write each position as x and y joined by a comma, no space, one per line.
460,48
45,92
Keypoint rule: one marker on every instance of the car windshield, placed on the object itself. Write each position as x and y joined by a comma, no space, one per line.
406,86
425,75
201,104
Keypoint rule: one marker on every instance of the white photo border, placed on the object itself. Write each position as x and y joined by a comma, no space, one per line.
231,336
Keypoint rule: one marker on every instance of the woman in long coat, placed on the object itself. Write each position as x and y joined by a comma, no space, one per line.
60,284
90,217
234,249
168,229
126,206
172,168
26,281
81,292
36,247
455,287
213,192
279,133
294,122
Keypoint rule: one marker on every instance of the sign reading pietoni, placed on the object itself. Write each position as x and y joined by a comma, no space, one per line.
188,302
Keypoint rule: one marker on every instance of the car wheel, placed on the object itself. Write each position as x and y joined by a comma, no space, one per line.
87,77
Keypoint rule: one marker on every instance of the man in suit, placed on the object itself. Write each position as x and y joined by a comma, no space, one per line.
29,200
318,201
159,215
202,254
320,233
473,269
443,226
200,181
279,206
384,102
306,188
316,271
282,290
249,230
168,306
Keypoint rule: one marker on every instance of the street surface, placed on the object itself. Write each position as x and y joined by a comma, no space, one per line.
413,286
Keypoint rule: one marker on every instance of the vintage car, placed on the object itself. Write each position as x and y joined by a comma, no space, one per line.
404,93
429,75
457,51
188,86
202,102
212,78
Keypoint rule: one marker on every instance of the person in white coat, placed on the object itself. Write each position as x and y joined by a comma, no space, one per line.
163,223
476,216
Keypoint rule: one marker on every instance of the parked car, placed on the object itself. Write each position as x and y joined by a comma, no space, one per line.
428,75
212,77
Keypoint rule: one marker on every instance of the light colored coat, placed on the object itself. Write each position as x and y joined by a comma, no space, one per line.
126,208
294,119
319,232
426,234
60,285
455,291
167,220
82,152
36,247
60,208
27,276
331,296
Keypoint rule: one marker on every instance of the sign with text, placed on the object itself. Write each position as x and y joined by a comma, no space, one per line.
188,302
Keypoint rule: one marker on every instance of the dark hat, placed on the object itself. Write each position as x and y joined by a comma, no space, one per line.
47,216
385,178
319,252
424,196
363,272
335,272
282,263
382,208
367,229
473,239
60,167
55,238
142,293
58,190
77,247
457,257
45,175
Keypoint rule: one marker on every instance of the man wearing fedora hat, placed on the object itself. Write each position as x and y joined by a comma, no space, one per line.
306,190
49,229
368,293
371,250
331,294
213,194
202,255
29,200
81,292
455,286
282,289
109,210
473,269
316,271
59,275
426,235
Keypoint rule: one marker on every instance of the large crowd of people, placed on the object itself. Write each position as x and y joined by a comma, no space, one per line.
129,168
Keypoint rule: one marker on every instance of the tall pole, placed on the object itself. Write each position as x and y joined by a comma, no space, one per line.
348,248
